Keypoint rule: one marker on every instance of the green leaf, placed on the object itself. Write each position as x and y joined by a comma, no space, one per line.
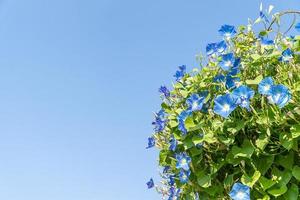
189,122
292,193
228,181
286,161
246,150
173,123
282,177
226,139
286,140
257,80
266,183
184,93
296,172
188,143
237,127
255,57
277,190
262,141
163,157
203,180
250,181
263,33
209,137
295,130
263,163
266,197
197,139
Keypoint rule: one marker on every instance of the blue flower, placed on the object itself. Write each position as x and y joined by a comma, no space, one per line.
279,95
164,91
297,27
160,121
225,104
180,73
240,192
227,61
183,161
151,142
166,169
243,94
171,180
265,85
231,82
173,143
213,48
181,119
221,46
174,193
219,78
227,31
195,102
287,55
150,184
235,68
266,42
184,176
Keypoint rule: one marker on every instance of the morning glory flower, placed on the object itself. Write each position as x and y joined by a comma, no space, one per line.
211,49
219,78
174,193
240,192
160,121
235,68
221,46
171,180
180,73
173,143
243,94
231,82
227,61
181,119
287,55
265,85
151,142
150,184
225,104
164,91
266,42
183,161
166,169
195,102
227,31
297,27
279,95
184,176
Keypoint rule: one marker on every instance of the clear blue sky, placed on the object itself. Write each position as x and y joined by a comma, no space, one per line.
78,85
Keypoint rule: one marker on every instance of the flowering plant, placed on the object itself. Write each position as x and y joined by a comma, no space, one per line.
231,129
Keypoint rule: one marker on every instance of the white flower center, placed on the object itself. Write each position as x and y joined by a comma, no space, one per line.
195,105
267,87
226,107
228,63
183,161
240,195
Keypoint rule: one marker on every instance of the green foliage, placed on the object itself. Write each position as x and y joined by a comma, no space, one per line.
259,148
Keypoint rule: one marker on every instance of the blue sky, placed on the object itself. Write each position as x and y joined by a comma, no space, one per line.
78,85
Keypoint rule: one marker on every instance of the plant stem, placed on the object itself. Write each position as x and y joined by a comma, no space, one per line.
280,15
